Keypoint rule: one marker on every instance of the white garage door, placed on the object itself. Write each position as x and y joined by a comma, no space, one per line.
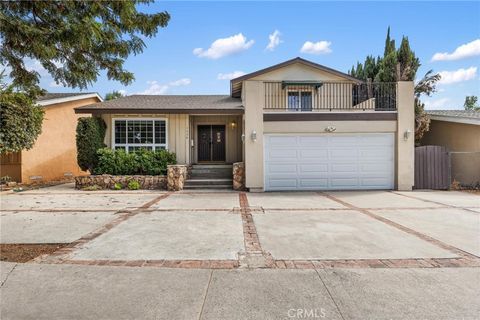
329,162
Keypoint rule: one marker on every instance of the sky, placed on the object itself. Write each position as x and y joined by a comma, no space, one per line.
207,43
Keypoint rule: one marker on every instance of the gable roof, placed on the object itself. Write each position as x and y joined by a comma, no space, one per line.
460,116
236,84
203,104
53,97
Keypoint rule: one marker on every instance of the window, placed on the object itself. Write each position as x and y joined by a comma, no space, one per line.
300,100
134,134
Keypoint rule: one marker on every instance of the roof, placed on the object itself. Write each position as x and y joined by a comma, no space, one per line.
53,98
236,84
460,116
203,104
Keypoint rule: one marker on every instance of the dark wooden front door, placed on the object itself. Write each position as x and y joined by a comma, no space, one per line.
211,143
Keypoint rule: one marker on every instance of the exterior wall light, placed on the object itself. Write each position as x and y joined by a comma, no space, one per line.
406,135
254,136
233,124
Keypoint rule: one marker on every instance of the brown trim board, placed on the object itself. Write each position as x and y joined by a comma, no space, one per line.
98,111
343,116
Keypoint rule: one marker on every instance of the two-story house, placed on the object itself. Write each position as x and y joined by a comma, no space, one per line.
296,125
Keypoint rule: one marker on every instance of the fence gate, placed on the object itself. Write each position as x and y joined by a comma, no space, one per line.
432,168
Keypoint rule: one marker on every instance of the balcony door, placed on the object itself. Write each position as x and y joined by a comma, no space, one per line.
211,143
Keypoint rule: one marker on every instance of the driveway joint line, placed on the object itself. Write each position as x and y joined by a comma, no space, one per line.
205,297
431,201
8,275
330,295
405,229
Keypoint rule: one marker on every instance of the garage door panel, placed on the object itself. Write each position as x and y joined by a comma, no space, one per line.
329,162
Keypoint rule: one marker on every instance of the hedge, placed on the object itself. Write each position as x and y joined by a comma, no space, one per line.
90,137
140,162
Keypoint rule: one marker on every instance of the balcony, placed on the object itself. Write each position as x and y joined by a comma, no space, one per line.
309,96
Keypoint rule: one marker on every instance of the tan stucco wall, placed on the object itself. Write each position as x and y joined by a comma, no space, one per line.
233,143
253,97
458,137
54,155
405,174
177,134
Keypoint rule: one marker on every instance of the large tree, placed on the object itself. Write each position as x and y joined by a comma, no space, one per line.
400,65
471,103
113,95
73,40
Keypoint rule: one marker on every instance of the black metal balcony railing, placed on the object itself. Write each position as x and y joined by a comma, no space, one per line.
331,96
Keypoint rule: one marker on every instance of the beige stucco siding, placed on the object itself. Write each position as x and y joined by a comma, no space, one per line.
177,132
54,155
458,137
297,72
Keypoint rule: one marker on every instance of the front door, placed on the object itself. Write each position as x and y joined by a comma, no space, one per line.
211,143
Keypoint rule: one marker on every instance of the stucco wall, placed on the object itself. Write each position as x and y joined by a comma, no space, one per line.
54,155
458,137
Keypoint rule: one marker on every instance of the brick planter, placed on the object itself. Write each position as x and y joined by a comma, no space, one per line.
106,181
238,176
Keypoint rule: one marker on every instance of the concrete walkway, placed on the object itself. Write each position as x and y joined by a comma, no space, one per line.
33,291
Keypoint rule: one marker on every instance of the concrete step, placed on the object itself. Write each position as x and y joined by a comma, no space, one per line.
210,187
212,166
210,182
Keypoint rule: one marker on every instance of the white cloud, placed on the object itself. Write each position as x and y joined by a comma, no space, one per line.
320,47
158,88
224,47
459,75
438,104
123,92
467,50
274,40
230,76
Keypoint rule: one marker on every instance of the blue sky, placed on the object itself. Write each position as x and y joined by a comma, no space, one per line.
340,34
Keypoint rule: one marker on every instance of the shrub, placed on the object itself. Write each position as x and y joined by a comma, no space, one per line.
90,136
133,185
142,162
117,186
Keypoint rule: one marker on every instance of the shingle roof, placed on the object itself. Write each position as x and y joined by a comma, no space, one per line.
54,95
461,116
470,114
165,103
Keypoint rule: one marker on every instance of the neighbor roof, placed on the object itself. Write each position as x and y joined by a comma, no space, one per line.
167,104
236,84
460,116
54,98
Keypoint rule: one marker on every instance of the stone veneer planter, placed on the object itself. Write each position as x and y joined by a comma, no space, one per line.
238,176
106,181
176,176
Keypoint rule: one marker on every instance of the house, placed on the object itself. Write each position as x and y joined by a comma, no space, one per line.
459,131
296,125
54,155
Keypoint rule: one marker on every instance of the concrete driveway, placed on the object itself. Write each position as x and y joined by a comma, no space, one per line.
205,255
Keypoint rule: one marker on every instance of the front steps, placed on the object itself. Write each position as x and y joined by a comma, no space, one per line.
210,176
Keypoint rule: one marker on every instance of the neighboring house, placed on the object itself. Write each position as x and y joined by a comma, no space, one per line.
297,126
54,155
459,131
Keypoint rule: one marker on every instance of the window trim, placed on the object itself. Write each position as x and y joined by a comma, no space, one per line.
127,145
299,91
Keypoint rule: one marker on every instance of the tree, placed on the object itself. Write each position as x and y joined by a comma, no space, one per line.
471,103
400,65
73,40
20,120
113,95
90,137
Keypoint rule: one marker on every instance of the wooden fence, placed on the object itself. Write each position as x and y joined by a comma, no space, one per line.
432,168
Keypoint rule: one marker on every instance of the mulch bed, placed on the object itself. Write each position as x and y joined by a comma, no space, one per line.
26,252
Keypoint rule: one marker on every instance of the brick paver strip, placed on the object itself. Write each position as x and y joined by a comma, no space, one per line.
431,201
415,233
252,243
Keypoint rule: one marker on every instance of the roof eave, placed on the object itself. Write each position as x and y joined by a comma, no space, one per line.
69,99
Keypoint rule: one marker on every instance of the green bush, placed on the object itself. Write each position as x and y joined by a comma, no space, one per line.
142,162
90,137
117,186
133,185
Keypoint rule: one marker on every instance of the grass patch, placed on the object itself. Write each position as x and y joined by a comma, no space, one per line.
25,252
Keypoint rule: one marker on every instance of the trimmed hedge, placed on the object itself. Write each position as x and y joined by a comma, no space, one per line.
90,137
141,162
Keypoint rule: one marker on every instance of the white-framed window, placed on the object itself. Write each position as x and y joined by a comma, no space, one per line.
299,99
132,134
